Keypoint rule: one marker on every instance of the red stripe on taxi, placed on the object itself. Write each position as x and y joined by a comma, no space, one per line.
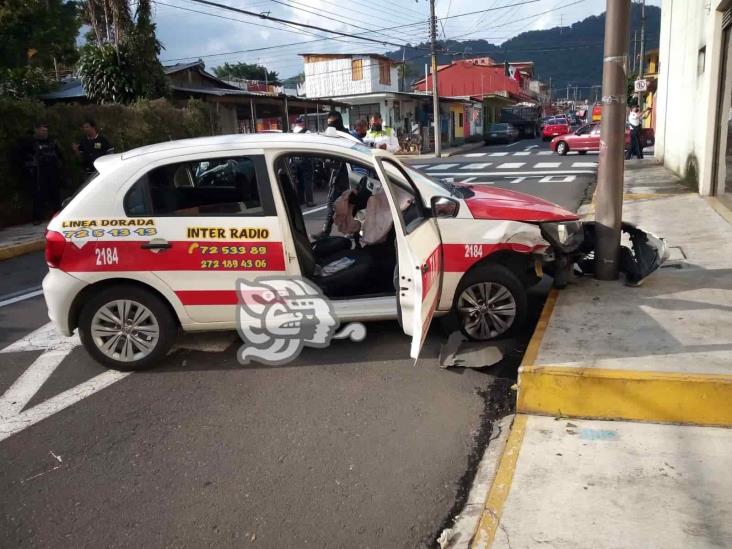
128,255
458,258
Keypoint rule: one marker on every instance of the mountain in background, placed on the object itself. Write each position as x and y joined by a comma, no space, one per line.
568,55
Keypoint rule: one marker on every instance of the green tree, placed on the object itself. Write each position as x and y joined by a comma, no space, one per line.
121,64
37,36
247,71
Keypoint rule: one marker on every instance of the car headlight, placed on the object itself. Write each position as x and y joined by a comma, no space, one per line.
566,236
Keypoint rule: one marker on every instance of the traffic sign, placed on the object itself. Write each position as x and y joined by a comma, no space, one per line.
641,85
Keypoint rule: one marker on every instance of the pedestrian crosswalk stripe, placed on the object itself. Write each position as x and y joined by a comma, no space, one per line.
468,180
545,153
547,164
477,166
522,153
472,155
418,166
510,165
584,164
498,154
441,166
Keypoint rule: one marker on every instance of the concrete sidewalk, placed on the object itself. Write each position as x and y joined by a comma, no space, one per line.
21,239
660,354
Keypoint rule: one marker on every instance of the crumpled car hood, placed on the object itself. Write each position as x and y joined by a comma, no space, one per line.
494,203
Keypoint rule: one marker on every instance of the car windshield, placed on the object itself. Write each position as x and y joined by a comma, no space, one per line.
498,127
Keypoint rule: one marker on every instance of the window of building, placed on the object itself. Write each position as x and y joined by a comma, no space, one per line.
364,111
460,120
356,69
221,186
384,72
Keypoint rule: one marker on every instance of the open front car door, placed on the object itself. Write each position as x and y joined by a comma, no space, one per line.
419,252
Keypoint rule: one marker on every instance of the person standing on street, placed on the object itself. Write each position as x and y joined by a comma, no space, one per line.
92,146
381,137
360,129
338,180
635,120
41,158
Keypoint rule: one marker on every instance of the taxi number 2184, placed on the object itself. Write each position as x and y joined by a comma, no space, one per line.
473,250
107,256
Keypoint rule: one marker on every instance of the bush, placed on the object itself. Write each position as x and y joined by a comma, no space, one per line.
126,127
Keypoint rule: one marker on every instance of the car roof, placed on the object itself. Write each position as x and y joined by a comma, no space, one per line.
255,141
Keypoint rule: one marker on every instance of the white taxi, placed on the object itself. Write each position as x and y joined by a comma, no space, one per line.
156,242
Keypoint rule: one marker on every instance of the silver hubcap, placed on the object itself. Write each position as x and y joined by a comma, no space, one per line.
125,330
486,310
562,148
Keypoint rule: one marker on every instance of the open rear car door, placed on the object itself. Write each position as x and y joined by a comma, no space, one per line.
419,251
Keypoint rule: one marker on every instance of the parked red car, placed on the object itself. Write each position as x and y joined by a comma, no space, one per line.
554,127
587,138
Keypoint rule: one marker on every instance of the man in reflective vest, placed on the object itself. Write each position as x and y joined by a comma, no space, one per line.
380,137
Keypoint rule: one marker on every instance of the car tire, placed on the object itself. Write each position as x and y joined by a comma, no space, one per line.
509,293
144,344
562,148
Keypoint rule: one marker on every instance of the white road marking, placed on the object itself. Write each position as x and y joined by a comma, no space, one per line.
476,166
564,179
498,154
473,155
584,164
417,166
517,180
319,208
57,347
510,165
512,144
22,297
531,147
522,153
468,180
545,153
547,164
485,174
17,423
441,166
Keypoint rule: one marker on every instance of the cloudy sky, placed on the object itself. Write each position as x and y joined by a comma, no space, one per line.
190,30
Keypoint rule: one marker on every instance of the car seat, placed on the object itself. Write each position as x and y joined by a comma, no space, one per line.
351,280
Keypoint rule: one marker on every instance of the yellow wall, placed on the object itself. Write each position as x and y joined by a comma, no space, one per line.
455,111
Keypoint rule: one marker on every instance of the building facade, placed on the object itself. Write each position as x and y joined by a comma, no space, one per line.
349,74
693,102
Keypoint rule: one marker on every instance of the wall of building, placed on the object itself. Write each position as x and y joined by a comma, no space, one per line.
333,76
464,78
688,84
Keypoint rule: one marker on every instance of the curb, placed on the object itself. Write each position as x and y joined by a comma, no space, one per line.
15,250
490,518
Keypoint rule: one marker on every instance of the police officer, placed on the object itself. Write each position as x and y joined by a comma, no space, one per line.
92,146
381,137
338,180
41,158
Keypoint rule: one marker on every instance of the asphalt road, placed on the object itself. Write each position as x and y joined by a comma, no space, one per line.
349,446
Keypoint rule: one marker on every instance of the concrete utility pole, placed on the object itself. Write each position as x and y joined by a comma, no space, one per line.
435,91
609,194
642,49
635,49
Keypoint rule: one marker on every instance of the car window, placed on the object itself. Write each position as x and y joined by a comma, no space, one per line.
584,130
596,130
220,186
412,210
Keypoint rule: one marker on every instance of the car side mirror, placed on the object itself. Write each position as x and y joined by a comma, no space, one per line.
444,207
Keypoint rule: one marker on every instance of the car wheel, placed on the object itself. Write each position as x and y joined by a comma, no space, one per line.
582,152
125,327
562,148
490,302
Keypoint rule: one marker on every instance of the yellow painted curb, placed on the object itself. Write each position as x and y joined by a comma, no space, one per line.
532,350
8,252
661,397
491,516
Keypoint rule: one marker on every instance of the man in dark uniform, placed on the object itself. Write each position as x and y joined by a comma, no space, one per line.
337,180
41,158
92,146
